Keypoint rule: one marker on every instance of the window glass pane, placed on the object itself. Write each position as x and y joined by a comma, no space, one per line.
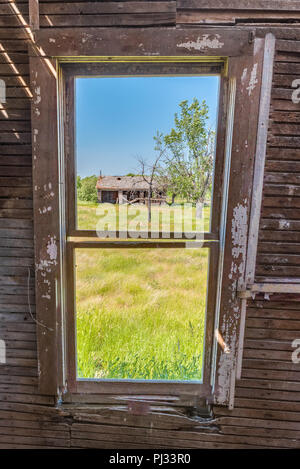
145,152
140,313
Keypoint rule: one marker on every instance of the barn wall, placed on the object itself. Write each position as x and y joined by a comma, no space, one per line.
267,405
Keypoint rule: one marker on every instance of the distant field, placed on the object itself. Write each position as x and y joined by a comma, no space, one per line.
181,218
140,312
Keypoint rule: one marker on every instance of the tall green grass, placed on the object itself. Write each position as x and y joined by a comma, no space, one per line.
140,313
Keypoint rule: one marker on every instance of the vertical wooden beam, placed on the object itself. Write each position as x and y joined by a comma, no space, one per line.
46,189
246,71
260,156
34,16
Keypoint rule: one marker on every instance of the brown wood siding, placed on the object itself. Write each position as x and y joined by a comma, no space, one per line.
267,405
279,237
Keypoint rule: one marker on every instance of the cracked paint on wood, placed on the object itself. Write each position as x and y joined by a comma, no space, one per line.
203,43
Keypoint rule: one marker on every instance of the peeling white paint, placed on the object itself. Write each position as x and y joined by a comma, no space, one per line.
284,225
203,42
38,98
226,368
45,266
239,230
52,249
244,75
253,80
51,39
45,209
35,134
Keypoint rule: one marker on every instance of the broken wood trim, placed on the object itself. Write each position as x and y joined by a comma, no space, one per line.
247,73
269,288
34,16
260,156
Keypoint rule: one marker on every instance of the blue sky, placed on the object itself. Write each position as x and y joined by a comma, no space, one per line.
116,118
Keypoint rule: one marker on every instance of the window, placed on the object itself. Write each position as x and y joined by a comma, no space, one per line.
64,239
140,306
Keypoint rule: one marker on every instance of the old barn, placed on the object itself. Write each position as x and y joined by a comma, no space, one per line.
250,394
123,189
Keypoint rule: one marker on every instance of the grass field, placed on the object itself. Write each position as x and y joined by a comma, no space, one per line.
174,218
140,312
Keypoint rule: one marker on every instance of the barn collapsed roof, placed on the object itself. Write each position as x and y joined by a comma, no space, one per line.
125,183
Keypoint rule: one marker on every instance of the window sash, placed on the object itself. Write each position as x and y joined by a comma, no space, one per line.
209,239
71,71
132,386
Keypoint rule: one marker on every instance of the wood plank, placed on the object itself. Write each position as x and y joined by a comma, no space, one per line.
260,156
15,170
278,270
278,247
263,418
285,129
285,225
34,20
254,333
282,166
280,80
283,259
268,394
286,68
131,19
285,200
289,190
289,46
272,314
186,17
283,154
266,432
280,213
115,8
271,374
169,42
264,5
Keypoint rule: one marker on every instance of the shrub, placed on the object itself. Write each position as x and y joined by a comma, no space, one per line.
86,189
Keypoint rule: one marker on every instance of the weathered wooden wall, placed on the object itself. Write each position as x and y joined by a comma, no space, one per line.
267,405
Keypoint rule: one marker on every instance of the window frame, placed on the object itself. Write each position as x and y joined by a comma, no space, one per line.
244,55
210,239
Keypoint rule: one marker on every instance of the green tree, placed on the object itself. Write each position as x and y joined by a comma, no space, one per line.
151,174
86,189
188,164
